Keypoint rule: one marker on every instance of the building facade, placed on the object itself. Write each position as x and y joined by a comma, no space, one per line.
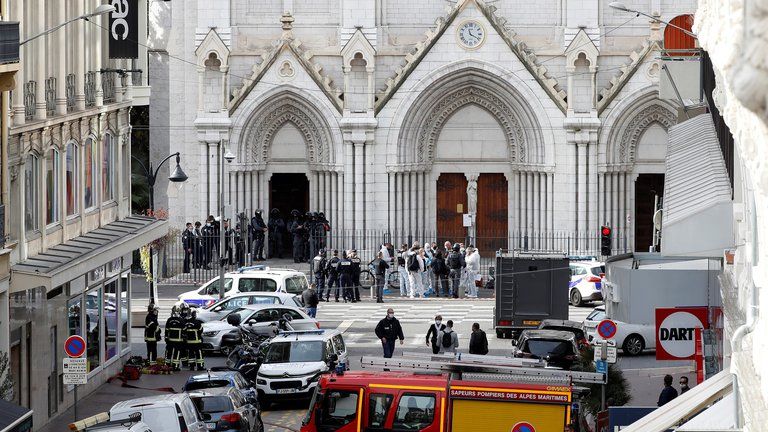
70,231
404,116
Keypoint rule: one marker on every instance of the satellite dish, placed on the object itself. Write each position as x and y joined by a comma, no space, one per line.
657,219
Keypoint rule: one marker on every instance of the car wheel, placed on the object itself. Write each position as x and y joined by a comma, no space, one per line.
576,299
499,334
633,345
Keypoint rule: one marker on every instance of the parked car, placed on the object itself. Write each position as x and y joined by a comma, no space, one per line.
248,279
633,339
293,363
221,308
226,409
558,348
166,413
221,336
574,327
221,379
586,282
101,423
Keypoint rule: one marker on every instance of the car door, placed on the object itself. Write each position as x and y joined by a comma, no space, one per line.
379,410
299,321
340,410
228,305
416,411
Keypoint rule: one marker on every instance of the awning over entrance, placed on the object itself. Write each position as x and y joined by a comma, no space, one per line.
14,418
71,259
697,192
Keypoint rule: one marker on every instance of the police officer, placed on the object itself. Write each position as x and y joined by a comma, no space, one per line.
345,275
319,264
208,240
332,270
188,243
174,338
228,234
239,246
276,229
356,270
326,226
197,243
193,334
258,228
298,230
151,333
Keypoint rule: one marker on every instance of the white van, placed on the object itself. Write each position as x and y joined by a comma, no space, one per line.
167,413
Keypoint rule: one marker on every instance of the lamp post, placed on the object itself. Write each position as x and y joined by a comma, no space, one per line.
177,176
101,10
622,7
229,157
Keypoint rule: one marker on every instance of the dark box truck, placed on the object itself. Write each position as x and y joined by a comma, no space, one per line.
529,288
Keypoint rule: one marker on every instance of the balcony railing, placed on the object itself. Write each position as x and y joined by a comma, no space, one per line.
50,96
9,42
90,89
30,96
108,86
71,86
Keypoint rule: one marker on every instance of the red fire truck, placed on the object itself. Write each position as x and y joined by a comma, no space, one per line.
446,394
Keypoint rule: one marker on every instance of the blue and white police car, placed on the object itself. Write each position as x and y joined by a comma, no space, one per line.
586,283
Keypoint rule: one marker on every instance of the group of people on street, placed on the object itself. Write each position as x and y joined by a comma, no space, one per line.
441,338
201,242
183,337
668,393
339,275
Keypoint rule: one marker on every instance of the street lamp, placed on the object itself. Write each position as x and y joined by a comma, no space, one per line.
229,157
101,10
622,7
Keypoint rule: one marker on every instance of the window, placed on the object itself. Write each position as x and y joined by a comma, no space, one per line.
71,168
257,285
52,187
414,412
213,287
30,193
295,285
90,173
107,168
292,313
93,327
125,307
339,409
74,317
111,304
263,300
378,409
126,169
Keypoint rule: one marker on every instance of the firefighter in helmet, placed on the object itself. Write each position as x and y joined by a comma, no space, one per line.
193,334
184,314
151,333
174,338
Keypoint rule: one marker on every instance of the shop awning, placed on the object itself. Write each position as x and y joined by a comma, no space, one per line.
14,418
76,257
697,192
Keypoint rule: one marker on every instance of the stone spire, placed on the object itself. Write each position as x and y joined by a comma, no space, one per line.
287,21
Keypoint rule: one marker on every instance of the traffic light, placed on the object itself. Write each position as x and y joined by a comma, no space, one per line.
605,240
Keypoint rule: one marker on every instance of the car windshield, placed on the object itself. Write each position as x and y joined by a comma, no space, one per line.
202,385
214,404
596,315
541,348
597,271
295,351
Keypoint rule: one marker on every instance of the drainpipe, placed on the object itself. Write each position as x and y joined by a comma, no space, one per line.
738,335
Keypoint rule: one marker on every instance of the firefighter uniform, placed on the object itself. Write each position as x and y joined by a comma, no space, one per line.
174,338
193,334
151,334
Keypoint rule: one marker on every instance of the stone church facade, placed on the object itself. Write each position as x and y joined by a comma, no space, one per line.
402,116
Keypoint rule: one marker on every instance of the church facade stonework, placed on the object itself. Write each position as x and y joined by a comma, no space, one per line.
403,116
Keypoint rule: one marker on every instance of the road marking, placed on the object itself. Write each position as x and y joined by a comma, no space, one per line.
345,325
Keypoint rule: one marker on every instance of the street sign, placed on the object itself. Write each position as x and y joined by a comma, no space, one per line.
601,366
676,332
523,427
610,353
74,346
606,329
75,371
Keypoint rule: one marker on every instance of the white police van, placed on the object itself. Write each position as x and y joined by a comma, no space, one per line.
586,283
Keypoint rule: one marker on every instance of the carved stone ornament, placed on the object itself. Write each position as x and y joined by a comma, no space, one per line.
640,122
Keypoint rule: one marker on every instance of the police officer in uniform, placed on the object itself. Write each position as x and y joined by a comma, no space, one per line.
193,334
151,333
174,339
208,239
239,246
276,227
319,264
188,243
345,274
298,230
332,270
228,234
258,228
356,270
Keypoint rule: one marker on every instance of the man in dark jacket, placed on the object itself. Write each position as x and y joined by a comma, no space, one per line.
276,228
380,267
356,271
257,229
478,342
319,264
345,278
387,330
332,270
309,296
434,330
188,243
456,263
297,228
668,392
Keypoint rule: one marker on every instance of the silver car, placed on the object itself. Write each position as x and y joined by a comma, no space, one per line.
260,319
224,306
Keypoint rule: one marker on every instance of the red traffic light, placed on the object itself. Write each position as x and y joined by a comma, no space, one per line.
606,231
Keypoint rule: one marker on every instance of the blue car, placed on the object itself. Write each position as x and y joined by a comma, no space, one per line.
221,379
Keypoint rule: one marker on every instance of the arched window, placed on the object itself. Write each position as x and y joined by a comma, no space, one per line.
91,168
71,179
52,187
31,167
107,168
675,40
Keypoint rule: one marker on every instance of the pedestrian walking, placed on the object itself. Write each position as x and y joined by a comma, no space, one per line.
319,264
380,267
332,270
151,333
387,330
684,384
473,271
449,339
440,273
668,393
435,329
456,265
415,265
310,298
478,341
188,243
401,270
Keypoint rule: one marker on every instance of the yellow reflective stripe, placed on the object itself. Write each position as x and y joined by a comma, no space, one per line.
442,414
360,411
406,387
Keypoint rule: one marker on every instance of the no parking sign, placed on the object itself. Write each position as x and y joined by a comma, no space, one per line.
523,427
676,332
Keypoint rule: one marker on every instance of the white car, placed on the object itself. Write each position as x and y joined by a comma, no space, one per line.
167,413
248,279
294,361
586,282
218,310
633,339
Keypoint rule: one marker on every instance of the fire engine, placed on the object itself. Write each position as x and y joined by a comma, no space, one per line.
443,393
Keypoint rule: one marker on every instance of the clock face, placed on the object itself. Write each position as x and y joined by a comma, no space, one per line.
471,34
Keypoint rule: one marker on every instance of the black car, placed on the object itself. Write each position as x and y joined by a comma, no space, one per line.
227,409
558,348
574,327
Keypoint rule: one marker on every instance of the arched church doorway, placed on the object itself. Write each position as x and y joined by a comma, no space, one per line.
288,192
451,205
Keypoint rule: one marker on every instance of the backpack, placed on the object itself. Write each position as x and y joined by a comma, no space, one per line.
447,341
453,260
413,263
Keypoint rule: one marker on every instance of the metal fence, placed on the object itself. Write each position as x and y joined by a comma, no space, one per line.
200,262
